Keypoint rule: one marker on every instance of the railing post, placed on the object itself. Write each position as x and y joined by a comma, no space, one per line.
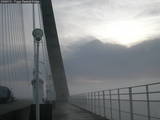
95,101
91,101
131,103
119,104
99,106
87,101
110,99
104,104
148,103
84,101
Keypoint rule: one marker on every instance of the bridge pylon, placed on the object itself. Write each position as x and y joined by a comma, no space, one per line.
53,47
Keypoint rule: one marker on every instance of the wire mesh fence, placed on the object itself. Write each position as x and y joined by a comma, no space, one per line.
130,103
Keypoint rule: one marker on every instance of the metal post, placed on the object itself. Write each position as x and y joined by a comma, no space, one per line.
104,104
148,103
131,103
119,104
99,106
91,101
87,101
95,101
37,34
37,82
110,99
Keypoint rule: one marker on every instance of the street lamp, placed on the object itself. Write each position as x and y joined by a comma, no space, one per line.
37,34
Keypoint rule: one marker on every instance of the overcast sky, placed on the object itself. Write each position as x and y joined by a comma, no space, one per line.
105,43
96,59
76,18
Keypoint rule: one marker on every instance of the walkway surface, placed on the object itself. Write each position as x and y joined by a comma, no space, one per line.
65,111
13,106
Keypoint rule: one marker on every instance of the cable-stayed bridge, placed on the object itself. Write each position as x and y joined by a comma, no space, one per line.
17,61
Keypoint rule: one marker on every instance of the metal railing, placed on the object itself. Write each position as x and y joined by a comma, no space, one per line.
130,103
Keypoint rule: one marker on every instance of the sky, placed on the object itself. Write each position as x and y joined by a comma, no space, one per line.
108,43
108,20
105,44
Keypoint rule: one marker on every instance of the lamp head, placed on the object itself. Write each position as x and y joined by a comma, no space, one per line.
37,34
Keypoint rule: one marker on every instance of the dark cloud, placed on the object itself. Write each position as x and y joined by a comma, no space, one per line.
98,61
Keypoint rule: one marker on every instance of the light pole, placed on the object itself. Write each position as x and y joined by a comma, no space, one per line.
37,34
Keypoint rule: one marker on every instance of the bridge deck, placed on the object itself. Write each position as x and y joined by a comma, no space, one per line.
65,111
13,106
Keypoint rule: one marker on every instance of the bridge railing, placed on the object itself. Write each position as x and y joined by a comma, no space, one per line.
130,103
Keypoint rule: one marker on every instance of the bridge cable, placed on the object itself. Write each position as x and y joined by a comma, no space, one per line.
9,47
6,47
13,45
42,44
24,44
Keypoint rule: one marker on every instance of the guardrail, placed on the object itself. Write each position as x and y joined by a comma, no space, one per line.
130,103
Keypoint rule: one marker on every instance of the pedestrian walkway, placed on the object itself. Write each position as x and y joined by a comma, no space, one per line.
65,111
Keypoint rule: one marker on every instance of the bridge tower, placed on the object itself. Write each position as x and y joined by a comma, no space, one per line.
54,53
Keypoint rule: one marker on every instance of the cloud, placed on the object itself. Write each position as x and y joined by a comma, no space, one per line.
92,64
76,19
101,63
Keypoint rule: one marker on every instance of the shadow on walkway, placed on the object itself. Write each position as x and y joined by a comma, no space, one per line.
65,111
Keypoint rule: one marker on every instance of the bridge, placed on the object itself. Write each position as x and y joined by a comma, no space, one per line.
18,69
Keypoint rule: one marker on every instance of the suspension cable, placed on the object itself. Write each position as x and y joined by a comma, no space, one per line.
24,43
